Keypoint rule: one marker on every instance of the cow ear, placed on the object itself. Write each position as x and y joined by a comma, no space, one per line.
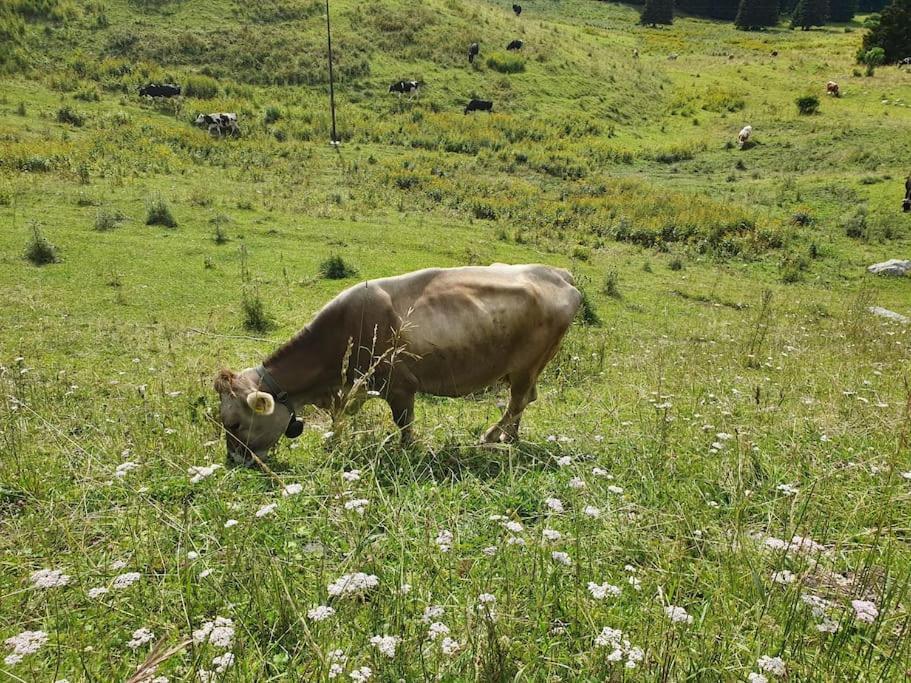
261,403
224,382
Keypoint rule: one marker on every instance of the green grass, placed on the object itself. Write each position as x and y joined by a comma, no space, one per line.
735,354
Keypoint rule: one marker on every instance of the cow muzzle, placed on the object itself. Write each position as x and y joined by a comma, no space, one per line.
906,205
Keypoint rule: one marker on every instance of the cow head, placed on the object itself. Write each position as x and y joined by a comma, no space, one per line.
906,204
201,120
253,420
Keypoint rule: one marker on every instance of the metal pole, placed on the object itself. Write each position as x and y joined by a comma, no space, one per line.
335,139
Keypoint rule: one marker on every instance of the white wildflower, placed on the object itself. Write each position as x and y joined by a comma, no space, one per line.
487,598
192,555
634,582
124,468
515,527
555,504
95,593
444,540
449,647
125,580
219,633
818,605
223,662
351,475
787,489
49,578
827,626
784,577
757,678
592,511
25,643
361,675
337,661
292,490
577,483
432,613
141,636
551,535
600,591
230,523
320,612
385,644
204,573
600,472
490,550
516,540
437,629
615,489
772,665
117,565
357,504
561,558
353,584
266,510
405,589
199,472
865,611
564,461
678,615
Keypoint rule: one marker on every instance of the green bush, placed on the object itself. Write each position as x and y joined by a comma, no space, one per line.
807,105
272,115
107,219
70,116
588,314
506,63
256,318
39,250
200,87
159,213
336,268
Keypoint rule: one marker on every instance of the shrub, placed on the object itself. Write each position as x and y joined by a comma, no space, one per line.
107,219
272,115
256,318
675,263
588,315
70,116
855,224
39,250
611,284
21,110
807,105
220,236
336,268
159,213
802,218
200,87
872,58
506,63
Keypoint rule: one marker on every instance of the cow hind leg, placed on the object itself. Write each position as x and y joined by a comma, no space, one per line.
522,391
402,406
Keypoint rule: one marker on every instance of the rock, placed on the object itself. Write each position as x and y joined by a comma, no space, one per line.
891,315
891,267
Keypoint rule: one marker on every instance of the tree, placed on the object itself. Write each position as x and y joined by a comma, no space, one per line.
810,13
842,10
754,14
893,34
657,12
714,9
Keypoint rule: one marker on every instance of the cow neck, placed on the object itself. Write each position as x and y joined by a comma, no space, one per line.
305,367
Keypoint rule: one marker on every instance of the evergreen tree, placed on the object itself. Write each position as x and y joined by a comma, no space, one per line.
842,10
893,34
754,14
713,9
810,13
657,12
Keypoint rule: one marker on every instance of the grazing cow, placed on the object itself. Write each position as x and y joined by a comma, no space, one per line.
905,62
479,105
635,53
744,136
159,90
412,88
517,9
220,124
832,89
672,56
440,331
906,202
515,45
473,51
774,53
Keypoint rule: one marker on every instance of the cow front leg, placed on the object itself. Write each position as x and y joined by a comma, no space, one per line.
507,429
402,406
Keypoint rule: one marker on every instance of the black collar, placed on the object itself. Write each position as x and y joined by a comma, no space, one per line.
277,392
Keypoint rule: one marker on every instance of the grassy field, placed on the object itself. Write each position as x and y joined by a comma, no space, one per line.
732,439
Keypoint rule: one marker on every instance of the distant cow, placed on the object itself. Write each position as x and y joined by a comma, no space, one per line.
411,88
515,45
635,53
473,51
906,202
672,56
159,90
219,124
744,136
832,89
905,62
774,53
479,105
517,9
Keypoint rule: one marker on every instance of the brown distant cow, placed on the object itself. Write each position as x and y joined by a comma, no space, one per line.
832,89
441,331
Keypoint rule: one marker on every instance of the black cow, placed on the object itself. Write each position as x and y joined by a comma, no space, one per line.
479,105
411,88
220,124
515,45
517,9
473,51
159,90
906,202
905,62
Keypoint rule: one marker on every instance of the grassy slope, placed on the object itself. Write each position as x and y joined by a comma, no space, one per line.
137,307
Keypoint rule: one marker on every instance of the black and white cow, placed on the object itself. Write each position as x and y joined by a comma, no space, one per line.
479,105
517,9
224,123
473,51
515,45
160,90
410,88
906,202
905,62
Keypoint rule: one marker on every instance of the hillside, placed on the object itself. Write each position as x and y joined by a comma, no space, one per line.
726,428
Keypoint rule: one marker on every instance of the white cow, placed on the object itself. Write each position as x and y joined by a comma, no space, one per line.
744,136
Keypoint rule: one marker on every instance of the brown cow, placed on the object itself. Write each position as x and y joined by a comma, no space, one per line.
832,89
441,331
